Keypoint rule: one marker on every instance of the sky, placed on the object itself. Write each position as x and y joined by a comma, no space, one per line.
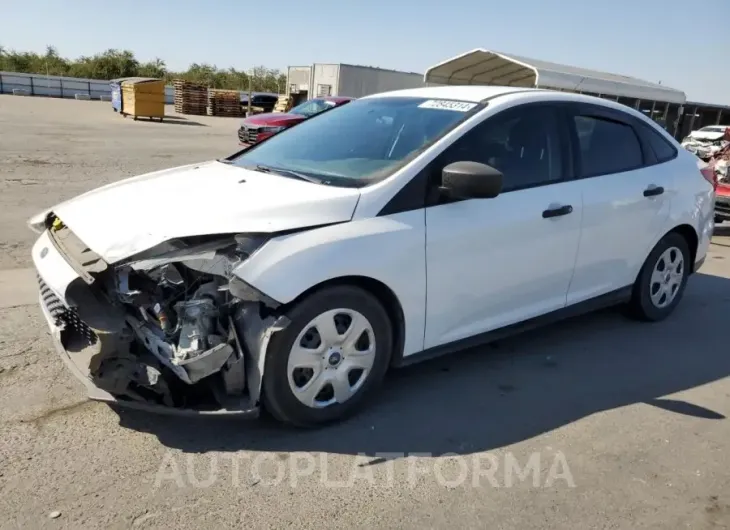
674,42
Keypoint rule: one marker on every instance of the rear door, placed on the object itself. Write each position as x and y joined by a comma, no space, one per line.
494,262
627,190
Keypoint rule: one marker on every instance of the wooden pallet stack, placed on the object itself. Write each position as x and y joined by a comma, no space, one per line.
283,104
190,98
225,103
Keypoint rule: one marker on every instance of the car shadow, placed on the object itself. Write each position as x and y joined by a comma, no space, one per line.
504,393
179,120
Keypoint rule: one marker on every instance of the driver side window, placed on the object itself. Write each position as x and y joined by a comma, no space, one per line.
523,143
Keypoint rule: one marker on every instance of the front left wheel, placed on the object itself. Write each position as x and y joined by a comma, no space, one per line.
330,359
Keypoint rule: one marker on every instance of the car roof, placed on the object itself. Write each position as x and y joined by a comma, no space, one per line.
473,93
477,93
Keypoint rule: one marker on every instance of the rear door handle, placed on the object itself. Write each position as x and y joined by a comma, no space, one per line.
557,212
653,191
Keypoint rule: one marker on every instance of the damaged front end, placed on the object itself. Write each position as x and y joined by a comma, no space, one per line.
169,328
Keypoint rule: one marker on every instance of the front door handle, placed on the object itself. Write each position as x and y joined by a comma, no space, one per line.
653,191
557,212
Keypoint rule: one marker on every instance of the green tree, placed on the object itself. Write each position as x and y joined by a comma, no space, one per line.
114,63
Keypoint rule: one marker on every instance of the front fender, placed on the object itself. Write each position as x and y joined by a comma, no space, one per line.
388,249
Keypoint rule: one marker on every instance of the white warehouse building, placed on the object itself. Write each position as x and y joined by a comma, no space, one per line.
667,106
348,80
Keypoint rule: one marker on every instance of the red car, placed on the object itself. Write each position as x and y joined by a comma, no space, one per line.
261,126
718,168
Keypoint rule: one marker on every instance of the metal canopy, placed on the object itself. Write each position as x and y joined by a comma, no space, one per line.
484,67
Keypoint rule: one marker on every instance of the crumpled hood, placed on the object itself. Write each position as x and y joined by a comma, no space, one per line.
124,218
706,135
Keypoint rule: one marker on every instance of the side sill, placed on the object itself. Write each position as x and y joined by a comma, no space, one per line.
698,264
606,300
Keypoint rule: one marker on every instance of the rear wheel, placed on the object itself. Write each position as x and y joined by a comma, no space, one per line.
662,279
330,359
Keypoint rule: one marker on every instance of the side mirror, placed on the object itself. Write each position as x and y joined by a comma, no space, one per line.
471,180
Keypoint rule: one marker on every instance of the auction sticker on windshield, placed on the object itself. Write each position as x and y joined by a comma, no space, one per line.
442,104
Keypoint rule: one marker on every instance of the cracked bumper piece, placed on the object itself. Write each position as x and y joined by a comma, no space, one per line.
99,347
79,362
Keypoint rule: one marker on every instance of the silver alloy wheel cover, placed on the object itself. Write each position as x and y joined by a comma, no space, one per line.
333,360
667,277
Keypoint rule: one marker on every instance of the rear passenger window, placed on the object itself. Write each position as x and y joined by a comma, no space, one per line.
607,146
663,150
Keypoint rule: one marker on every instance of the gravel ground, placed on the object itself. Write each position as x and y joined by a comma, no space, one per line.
598,422
52,150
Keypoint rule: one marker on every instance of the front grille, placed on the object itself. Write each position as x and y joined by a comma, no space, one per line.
248,135
79,331
52,303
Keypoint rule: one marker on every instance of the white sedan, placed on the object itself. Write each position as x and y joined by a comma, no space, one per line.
405,225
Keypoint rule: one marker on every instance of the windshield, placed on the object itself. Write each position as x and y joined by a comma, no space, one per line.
312,107
360,142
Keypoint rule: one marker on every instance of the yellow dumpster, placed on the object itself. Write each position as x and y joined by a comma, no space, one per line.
143,96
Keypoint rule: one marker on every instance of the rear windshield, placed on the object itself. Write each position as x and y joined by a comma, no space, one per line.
361,142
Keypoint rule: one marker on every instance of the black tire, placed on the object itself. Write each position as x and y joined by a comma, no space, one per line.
641,307
278,398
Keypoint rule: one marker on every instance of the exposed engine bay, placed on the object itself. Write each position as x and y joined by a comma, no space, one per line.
166,327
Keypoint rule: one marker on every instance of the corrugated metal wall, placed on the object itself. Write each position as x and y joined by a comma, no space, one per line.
61,87
298,79
358,81
324,80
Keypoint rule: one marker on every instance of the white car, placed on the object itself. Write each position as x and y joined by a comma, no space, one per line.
707,141
404,225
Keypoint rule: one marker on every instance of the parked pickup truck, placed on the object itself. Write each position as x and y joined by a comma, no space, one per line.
261,126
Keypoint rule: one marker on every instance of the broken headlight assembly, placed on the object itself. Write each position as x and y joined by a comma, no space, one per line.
180,302
38,222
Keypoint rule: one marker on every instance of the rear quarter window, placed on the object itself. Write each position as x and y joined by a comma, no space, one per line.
663,149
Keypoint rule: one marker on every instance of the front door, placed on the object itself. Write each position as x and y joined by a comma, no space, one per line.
494,262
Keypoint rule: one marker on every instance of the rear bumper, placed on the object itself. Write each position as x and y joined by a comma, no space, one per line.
722,207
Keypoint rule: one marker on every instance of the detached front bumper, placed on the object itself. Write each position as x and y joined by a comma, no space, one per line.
83,347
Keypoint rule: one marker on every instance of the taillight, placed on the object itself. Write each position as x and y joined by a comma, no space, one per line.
710,176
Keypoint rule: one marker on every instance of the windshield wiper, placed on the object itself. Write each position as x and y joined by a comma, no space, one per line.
286,173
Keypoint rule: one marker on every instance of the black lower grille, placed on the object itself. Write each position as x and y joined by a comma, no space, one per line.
65,316
55,307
